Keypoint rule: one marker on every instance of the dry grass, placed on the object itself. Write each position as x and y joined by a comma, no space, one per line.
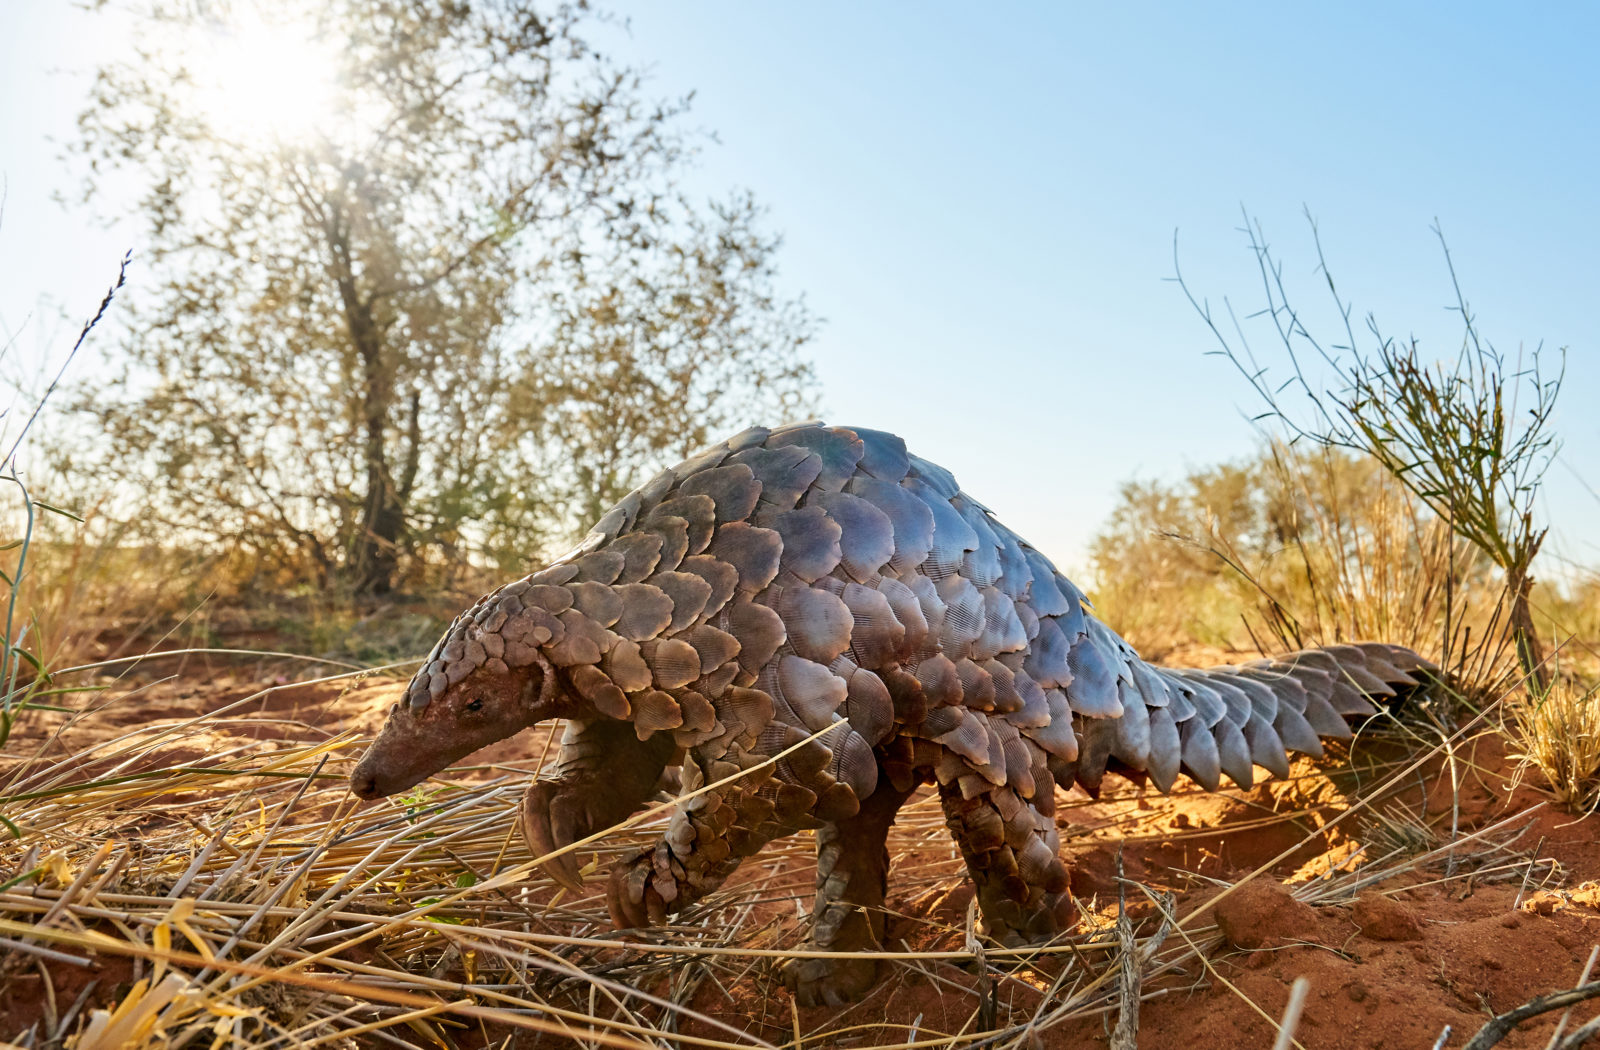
256,904
87,596
1558,734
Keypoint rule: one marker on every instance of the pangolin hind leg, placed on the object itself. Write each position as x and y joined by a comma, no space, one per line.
1010,845
604,773
852,877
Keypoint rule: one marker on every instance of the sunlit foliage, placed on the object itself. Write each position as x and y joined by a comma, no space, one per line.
445,297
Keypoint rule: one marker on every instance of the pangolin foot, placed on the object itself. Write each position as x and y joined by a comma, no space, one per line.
642,889
830,982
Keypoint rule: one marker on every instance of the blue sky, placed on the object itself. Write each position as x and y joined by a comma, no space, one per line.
981,202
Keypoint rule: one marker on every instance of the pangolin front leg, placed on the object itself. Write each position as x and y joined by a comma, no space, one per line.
603,774
1010,843
852,877
708,837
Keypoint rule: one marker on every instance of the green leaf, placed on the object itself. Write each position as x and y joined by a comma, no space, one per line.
465,879
17,834
34,660
58,510
449,920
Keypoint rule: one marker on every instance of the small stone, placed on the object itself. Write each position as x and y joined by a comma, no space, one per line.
1383,918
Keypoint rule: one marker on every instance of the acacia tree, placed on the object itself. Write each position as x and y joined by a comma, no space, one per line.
464,305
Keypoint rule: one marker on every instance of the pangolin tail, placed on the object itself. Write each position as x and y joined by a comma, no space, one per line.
1231,719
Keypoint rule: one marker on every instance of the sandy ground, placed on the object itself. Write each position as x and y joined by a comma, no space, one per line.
1446,943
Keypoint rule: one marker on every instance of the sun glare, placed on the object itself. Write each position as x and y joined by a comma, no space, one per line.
257,79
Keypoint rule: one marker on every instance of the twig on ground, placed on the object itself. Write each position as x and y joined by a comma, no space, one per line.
1126,1035
1501,1025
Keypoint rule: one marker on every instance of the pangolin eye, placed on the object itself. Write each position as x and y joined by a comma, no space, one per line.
475,704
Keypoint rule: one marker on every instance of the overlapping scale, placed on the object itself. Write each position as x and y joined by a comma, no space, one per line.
1132,741
963,614
715,647
838,449
934,477
597,601
810,539
640,552
877,637
674,533
867,703
753,552
733,491
817,623
866,535
689,594
759,631
911,521
624,663
982,563
720,576
646,611
810,689
1092,690
602,566
784,473
883,455
952,536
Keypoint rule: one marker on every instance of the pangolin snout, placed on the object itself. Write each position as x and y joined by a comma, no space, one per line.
364,782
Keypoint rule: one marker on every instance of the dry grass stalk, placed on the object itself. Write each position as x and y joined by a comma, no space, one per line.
1291,1014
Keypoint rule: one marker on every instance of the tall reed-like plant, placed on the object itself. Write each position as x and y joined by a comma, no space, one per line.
1469,436
25,682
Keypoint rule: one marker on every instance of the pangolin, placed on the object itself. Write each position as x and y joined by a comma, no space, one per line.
819,591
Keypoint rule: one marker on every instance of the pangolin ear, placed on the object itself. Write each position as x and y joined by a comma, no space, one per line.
532,688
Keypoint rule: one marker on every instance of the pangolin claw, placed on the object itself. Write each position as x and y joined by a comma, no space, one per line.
544,840
631,899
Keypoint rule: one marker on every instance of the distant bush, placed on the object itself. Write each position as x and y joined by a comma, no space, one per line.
1294,547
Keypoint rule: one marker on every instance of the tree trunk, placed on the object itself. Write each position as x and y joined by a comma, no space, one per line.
374,553
1530,652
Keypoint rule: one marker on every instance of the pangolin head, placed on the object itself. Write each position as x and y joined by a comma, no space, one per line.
485,680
